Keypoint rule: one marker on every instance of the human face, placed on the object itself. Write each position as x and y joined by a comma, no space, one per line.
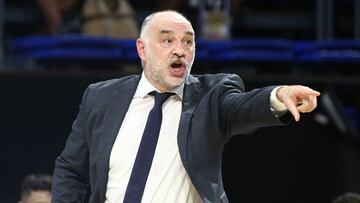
167,51
38,197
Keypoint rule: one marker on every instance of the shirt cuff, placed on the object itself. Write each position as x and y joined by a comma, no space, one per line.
276,106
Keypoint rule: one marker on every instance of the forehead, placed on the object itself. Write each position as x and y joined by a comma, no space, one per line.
39,197
171,22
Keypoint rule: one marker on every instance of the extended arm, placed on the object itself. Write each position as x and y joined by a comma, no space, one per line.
243,112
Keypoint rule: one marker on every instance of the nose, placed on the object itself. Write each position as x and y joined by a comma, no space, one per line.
178,50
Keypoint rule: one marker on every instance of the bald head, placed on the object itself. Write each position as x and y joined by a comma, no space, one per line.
158,17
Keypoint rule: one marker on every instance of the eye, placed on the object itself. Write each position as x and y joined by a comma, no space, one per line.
188,42
167,41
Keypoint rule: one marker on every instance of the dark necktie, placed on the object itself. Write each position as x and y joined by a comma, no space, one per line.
145,154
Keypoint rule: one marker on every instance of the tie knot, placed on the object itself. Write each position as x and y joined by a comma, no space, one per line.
160,98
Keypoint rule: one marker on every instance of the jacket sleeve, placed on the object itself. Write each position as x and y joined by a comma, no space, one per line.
243,112
71,171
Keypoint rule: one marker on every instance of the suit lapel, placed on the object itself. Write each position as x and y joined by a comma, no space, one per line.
115,113
124,94
190,100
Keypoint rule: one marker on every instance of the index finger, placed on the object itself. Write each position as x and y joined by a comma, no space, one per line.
293,109
310,92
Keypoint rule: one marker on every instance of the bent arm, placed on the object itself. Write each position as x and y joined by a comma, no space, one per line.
71,171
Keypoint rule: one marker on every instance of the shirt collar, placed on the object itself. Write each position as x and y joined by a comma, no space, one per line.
145,87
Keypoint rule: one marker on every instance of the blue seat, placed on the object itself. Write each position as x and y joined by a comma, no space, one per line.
251,49
339,51
72,53
73,47
37,42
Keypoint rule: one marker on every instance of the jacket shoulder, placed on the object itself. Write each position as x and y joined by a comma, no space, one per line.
112,83
107,89
212,80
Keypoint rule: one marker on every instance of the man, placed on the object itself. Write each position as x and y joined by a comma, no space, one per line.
349,197
114,18
198,119
56,13
36,188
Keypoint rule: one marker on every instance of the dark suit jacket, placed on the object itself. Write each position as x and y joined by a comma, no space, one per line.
215,107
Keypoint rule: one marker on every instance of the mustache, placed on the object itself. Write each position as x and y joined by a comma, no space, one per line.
178,60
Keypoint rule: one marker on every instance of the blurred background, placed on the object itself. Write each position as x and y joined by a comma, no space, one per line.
51,50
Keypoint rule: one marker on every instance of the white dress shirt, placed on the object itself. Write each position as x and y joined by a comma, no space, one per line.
167,180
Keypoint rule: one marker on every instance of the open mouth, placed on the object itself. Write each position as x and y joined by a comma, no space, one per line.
177,68
177,64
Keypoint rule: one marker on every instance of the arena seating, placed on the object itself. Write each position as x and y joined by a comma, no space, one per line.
235,50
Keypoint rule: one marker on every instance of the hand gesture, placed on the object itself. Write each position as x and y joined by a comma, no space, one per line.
298,99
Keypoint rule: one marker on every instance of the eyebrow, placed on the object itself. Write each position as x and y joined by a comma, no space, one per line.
172,32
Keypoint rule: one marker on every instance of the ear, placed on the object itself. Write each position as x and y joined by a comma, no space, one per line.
140,47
